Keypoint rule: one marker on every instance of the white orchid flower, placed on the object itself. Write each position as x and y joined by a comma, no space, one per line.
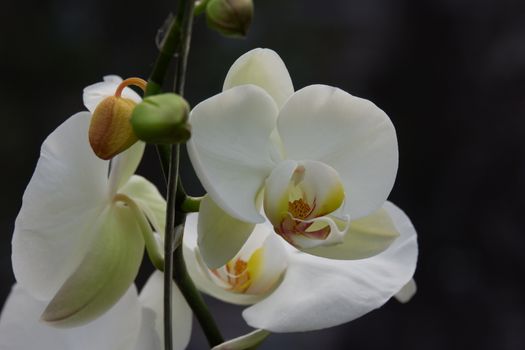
78,240
294,291
133,323
322,161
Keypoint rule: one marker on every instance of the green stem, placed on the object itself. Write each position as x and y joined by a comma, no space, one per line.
172,44
173,178
195,300
181,276
176,43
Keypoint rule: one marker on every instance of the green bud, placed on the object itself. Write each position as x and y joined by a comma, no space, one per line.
162,119
230,17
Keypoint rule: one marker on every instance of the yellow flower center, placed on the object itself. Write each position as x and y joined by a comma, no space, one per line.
238,274
299,208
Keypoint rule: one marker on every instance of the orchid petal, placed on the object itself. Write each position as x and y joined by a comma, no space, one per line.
199,272
264,68
148,338
230,148
220,236
20,327
365,237
350,134
271,258
124,165
245,342
64,197
276,191
406,292
149,199
106,272
150,297
318,293
95,93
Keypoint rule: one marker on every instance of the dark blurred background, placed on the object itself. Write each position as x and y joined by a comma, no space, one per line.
450,74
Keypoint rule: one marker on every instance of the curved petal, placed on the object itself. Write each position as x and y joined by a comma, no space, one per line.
124,165
264,68
21,328
322,232
350,134
270,262
244,342
151,298
95,93
276,191
365,237
106,272
220,236
231,150
317,293
199,271
149,199
406,292
66,194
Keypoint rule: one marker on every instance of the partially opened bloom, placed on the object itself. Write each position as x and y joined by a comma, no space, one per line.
321,161
133,323
295,291
78,239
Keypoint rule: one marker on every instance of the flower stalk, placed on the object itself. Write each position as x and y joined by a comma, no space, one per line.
176,44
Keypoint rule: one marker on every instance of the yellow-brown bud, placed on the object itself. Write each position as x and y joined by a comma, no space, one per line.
110,131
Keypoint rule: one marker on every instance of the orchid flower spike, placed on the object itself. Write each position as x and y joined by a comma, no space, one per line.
133,323
79,237
321,161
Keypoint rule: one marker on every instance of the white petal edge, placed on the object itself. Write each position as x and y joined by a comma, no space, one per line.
67,192
124,165
149,199
21,328
317,293
247,341
231,150
220,236
350,134
406,293
264,68
151,299
95,93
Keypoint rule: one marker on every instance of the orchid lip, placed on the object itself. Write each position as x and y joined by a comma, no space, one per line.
300,200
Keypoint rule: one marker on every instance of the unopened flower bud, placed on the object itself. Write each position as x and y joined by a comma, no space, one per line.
230,17
110,132
162,119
